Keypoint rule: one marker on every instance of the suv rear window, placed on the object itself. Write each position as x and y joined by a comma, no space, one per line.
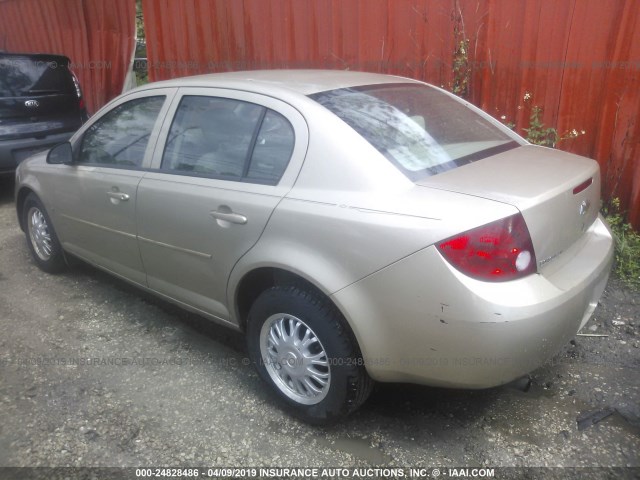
39,75
420,129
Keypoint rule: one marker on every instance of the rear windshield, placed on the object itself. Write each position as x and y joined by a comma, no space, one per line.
421,130
21,76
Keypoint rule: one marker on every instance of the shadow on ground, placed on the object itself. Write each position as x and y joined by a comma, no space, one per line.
7,183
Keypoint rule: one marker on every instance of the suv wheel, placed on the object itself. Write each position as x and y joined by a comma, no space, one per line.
300,346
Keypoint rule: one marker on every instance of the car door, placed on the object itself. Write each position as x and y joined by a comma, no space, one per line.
222,165
94,198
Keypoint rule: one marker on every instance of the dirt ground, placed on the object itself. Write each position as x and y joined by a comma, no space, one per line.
187,396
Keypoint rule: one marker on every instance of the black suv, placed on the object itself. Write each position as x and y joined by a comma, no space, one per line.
41,105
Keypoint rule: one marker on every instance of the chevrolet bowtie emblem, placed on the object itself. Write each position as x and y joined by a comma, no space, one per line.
584,207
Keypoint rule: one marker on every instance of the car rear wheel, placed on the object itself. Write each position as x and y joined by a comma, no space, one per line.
41,237
301,346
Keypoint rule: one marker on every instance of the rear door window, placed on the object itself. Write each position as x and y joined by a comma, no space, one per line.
272,150
228,139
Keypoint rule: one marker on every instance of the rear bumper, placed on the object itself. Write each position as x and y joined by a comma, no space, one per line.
12,152
422,321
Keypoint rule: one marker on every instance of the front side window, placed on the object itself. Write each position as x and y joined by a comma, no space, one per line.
228,139
421,130
120,137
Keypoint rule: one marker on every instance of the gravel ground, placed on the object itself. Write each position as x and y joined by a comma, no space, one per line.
187,396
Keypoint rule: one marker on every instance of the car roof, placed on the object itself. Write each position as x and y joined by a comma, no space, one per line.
305,82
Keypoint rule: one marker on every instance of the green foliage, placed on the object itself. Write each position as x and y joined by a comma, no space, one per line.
141,78
537,133
461,68
627,261
140,66
140,22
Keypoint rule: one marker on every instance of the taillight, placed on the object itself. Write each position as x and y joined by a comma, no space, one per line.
496,252
76,84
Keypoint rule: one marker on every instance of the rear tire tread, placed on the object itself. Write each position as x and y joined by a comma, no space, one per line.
359,384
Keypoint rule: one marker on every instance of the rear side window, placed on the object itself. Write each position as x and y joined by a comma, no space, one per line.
421,130
24,76
228,139
273,149
120,137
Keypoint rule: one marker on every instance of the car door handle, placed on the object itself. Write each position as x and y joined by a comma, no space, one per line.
229,217
118,196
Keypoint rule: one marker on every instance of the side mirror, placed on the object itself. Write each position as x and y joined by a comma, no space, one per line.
60,154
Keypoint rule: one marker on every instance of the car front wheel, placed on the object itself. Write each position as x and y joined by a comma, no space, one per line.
41,237
301,346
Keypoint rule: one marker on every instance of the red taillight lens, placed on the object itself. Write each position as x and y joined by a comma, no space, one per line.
495,252
583,186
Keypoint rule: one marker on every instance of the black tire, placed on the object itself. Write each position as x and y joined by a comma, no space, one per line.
41,236
348,384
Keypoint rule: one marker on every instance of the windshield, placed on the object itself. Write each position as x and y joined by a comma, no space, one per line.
421,130
21,76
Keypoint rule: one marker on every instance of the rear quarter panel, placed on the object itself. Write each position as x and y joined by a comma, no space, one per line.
351,213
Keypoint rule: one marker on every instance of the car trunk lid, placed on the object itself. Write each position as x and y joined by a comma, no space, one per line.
557,193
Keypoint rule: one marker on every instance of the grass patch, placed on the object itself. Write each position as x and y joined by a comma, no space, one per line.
627,256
